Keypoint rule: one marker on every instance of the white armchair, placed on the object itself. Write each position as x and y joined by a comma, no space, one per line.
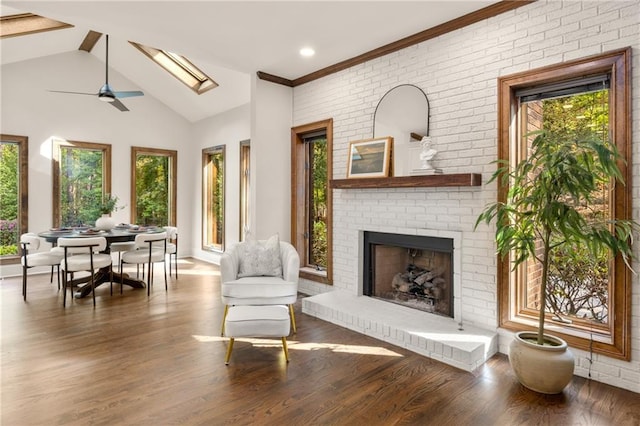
263,272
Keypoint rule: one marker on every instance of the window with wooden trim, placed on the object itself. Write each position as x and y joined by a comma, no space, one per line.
213,198
14,208
153,186
593,95
245,193
311,200
81,178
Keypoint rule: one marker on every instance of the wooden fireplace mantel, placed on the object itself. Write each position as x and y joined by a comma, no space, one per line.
440,180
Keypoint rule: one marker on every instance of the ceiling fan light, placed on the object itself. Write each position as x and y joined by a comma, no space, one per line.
106,98
105,93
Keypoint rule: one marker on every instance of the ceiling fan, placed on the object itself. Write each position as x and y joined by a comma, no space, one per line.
106,93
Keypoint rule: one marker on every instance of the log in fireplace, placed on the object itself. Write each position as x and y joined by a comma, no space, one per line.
410,270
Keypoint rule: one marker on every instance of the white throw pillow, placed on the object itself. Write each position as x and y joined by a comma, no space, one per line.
260,258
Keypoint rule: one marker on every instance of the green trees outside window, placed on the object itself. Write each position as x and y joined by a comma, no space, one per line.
152,189
317,203
81,178
245,186
81,186
9,192
213,165
154,184
581,281
217,198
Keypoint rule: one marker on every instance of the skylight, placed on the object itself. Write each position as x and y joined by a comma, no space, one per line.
28,23
180,67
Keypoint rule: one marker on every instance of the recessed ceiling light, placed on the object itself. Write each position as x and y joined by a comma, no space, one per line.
307,52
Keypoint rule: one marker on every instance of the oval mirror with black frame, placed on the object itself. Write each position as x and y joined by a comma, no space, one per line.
402,113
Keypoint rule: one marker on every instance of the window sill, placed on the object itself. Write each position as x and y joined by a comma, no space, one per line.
11,259
313,274
598,342
213,250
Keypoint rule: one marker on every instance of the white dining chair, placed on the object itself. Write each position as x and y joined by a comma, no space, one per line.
30,242
172,247
83,254
150,248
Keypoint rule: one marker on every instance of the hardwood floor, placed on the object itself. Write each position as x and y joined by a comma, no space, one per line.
159,360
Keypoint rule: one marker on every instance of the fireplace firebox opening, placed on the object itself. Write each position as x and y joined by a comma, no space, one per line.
410,270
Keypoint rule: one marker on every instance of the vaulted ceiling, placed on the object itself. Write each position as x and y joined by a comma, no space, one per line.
229,40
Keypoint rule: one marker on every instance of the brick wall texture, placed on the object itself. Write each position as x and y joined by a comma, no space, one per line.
458,71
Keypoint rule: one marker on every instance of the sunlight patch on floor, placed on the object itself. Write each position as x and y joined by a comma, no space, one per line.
352,349
311,346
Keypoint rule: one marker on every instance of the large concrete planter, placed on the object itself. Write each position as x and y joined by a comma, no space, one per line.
545,369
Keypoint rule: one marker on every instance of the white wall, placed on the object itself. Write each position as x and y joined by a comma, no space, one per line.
266,121
29,109
458,72
271,117
228,129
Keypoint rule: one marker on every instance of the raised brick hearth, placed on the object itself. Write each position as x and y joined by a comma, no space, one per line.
430,335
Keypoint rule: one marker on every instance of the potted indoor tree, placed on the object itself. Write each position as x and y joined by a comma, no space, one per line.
545,216
108,205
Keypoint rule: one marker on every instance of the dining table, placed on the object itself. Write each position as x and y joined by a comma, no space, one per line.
103,275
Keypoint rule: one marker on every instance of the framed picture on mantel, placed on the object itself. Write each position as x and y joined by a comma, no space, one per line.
370,158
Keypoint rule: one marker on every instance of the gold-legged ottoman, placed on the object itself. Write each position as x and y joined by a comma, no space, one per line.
257,321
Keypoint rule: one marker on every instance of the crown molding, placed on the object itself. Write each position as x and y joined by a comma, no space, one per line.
447,27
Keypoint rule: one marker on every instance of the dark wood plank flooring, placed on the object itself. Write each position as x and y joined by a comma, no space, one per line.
159,360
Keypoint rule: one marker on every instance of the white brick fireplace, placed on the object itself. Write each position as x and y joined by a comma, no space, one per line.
449,340
458,72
